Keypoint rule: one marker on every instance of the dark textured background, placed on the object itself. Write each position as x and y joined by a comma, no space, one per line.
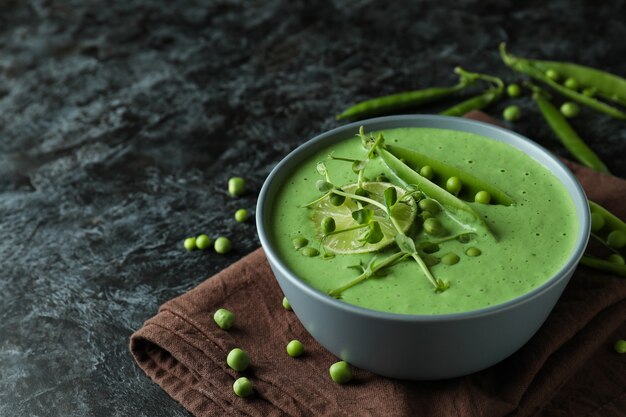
121,122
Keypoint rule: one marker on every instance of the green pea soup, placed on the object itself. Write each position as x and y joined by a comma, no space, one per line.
535,235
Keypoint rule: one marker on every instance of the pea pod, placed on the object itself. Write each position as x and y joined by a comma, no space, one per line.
566,134
603,265
460,210
471,184
478,102
610,224
393,102
610,86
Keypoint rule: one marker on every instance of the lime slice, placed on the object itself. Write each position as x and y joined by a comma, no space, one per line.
348,242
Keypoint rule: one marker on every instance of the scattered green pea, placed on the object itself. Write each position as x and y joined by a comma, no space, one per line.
454,185
427,172
241,215
222,245
203,241
236,186
512,113
286,304
310,252
224,318
571,83
616,239
616,258
190,243
238,359
243,387
513,90
570,109
430,205
553,75
328,225
450,258
433,226
473,252
482,197
620,346
295,348
597,222
336,199
340,372
299,242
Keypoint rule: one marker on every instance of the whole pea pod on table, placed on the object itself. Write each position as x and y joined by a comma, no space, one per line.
604,84
399,101
566,134
609,230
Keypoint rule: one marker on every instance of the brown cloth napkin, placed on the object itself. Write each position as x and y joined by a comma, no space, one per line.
568,368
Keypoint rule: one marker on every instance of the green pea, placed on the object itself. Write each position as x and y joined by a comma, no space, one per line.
286,304
222,245
328,225
336,199
616,239
597,222
243,387
473,252
620,346
203,241
310,252
241,215
450,258
238,359
513,90
482,197
430,205
571,83
570,109
382,178
299,242
553,75
295,348
224,318
236,186
340,372
426,215
454,185
616,258
433,226
427,172
512,113
190,243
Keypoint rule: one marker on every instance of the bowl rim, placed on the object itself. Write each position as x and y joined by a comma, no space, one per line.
562,273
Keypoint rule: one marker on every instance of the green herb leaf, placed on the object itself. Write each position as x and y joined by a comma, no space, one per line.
374,233
324,186
405,244
363,216
321,169
391,196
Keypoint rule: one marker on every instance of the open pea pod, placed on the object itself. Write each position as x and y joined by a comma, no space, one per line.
607,228
460,210
443,171
608,85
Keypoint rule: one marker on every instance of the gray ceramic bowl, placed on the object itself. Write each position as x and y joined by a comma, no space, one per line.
420,346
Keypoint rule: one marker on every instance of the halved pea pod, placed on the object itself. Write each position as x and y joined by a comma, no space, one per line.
611,225
456,207
603,265
443,171
609,86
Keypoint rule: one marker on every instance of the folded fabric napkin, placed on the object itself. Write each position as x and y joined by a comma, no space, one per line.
568,368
